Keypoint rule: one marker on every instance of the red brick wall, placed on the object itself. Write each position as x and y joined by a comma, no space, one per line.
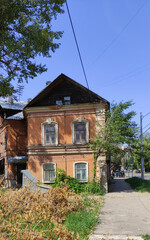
64,125
65,162
38,154
17,138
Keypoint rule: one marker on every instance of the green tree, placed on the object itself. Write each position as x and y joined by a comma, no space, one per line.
25,33
136,152
119,129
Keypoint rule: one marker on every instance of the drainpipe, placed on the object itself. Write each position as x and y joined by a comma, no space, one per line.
65,142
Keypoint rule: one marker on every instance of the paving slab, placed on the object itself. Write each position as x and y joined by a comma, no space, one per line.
125,213
114,237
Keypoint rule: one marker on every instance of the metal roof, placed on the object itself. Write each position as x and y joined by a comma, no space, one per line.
17,159
16,105
18,116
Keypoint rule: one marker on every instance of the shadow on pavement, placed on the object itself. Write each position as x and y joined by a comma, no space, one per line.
119,185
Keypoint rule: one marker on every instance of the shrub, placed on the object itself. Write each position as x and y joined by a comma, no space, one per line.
91,187
94,187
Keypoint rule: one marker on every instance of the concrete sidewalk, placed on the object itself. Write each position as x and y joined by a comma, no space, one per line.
125,214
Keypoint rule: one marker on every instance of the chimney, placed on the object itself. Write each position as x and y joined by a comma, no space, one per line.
29,100
10,99
47,83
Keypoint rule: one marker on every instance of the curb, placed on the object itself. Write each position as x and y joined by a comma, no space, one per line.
114,237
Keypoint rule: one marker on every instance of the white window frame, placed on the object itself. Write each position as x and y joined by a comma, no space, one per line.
50,163
86,122
49,121
87,172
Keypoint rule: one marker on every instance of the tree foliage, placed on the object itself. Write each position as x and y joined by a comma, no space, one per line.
25,33
119,129
136,152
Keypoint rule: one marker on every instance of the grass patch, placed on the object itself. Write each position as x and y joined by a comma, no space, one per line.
139,184
83,221
146,237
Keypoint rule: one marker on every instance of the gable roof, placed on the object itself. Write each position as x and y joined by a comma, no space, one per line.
65,86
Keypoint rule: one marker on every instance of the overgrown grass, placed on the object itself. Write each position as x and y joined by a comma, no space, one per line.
139,184
57,214
83,221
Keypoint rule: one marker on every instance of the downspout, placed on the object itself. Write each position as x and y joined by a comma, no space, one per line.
65,142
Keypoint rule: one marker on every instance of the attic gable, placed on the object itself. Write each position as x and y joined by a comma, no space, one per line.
64,90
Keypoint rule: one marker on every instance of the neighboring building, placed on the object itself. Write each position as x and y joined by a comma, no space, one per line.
61,120
13,139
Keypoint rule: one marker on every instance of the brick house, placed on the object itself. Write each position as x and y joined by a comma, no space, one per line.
61,120
53,131
13,139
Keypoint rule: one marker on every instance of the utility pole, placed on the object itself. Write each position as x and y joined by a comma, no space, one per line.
142,160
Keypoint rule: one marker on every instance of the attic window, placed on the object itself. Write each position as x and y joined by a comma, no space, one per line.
67,100
64,100
58,102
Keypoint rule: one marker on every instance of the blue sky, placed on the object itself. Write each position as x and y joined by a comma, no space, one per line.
114,40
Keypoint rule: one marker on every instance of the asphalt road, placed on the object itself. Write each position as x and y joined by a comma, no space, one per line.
130,174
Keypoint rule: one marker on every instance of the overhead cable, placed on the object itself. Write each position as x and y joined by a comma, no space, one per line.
77,45
146,126
120,33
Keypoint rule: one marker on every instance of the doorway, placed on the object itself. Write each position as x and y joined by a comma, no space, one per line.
20,167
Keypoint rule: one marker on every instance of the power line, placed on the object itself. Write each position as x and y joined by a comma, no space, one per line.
77,45
146,114
146,126
146,130
125,76
120,33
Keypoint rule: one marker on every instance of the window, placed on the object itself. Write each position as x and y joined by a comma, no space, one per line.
49,172
67,100
63,100
58,102
80,131
50,132
81,171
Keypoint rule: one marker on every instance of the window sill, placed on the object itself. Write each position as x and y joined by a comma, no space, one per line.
48,182
50,145
81,143
83,181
